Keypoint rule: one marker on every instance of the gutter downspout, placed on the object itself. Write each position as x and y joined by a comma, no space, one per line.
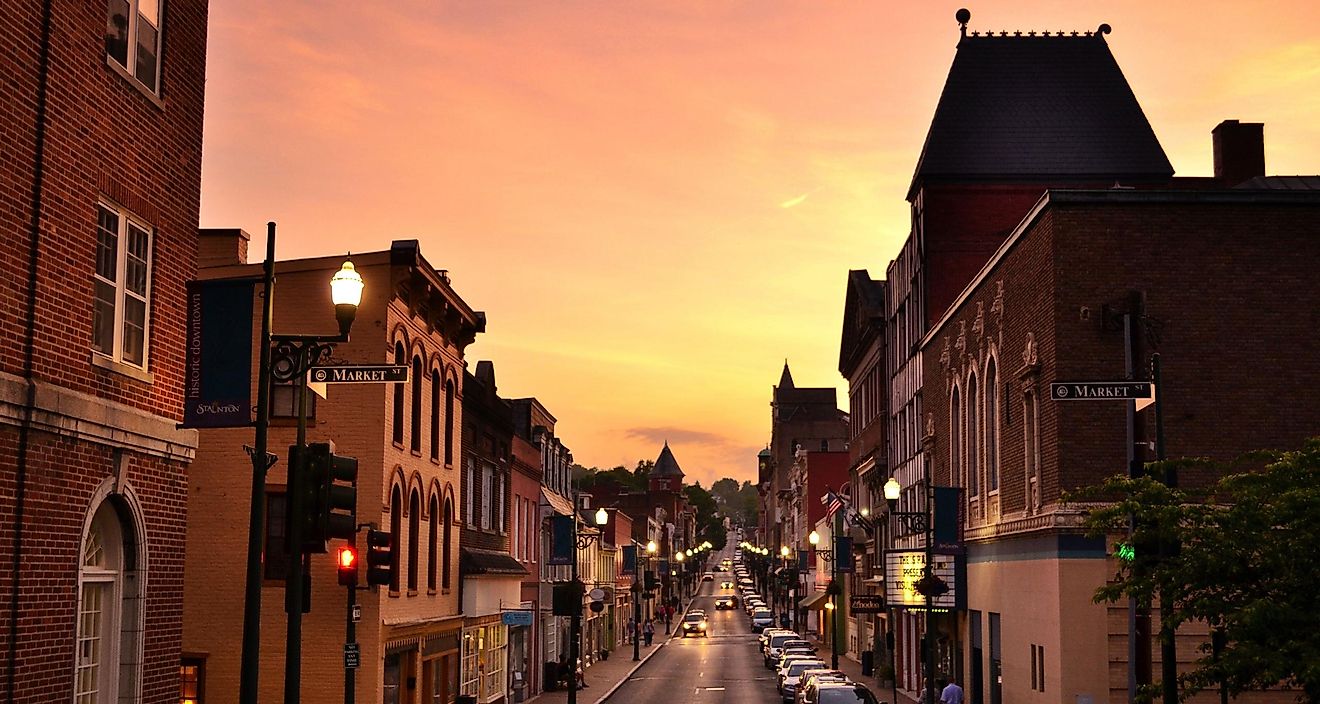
29,347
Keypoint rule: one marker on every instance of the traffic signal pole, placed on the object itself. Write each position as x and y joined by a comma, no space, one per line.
350,636
293,585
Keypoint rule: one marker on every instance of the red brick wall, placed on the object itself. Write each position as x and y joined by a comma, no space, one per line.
104,138
1232,286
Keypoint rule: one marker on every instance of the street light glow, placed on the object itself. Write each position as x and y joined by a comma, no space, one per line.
814,538
602,517
650,547
346,286
892,490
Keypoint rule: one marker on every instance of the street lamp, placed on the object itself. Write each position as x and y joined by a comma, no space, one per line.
929,586
581,542
638,590
829,557
293,356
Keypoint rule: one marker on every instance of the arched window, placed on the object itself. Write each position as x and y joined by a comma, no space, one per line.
956,466
432,538
449,421
417,404
399,358
973,430
396,536
435,415
991,426
446,542
108,655
414,537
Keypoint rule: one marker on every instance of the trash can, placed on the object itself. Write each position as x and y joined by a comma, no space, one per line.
868,662
550,677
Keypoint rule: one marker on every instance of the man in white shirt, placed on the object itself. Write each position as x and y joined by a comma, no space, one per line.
951,694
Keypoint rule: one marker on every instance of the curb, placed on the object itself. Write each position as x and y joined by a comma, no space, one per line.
609,693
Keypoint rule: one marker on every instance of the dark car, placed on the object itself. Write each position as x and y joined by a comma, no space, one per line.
726,602
695,624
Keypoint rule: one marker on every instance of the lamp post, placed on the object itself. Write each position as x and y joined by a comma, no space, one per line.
828,556
638,590
293,356
580,542
929,586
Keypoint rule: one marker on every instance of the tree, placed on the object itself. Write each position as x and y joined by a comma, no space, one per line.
710,523
725,491
1236,557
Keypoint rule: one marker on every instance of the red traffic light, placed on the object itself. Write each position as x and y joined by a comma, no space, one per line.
346,562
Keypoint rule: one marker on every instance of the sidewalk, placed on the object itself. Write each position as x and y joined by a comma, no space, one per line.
853,669
604,676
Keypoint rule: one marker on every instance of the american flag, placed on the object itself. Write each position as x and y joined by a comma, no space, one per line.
833,502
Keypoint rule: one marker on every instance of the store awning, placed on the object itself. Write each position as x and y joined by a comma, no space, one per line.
815,601
474,561
558,504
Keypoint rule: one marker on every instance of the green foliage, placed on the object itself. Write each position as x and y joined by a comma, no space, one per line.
1238,556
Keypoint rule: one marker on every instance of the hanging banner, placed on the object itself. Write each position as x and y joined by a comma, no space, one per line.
217,380
561,540
843,554
629,559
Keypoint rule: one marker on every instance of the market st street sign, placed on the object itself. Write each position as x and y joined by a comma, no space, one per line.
1101,390
359,374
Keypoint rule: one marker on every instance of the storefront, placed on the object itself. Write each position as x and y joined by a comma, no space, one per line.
485,660
422,667
521,658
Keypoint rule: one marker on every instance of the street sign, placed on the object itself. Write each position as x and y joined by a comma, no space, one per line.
352,656
867,604
357,613
596,594
359,374
1100,390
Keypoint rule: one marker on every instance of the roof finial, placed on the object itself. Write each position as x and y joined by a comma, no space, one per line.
963,16
1104,29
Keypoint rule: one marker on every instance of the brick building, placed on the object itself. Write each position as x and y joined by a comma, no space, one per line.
525,529
407,439
1206,263
801,418
100,187
862,363
491,577
1018,114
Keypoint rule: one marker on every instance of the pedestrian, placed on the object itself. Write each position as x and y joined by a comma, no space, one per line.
581,676
649,630
952,693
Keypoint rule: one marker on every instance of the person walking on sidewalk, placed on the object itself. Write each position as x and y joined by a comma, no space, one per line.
951,693
649,631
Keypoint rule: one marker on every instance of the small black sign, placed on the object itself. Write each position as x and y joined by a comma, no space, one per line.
359,374
1100,390
352,656
867,604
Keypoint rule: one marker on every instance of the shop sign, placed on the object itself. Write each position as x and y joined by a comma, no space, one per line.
516,618
904,568
866,604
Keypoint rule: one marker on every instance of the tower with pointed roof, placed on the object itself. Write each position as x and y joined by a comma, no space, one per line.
666,476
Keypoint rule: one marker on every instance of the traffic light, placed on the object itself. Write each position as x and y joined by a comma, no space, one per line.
346,560
331,481
339,493
380,555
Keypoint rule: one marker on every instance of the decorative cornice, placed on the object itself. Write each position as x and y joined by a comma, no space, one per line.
1055,517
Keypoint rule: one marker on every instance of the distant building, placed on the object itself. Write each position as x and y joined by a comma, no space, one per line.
801,419
100,171
525,531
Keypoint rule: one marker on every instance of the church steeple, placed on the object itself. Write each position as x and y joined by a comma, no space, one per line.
786,379
667,475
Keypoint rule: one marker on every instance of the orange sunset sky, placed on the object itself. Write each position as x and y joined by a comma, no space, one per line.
656,203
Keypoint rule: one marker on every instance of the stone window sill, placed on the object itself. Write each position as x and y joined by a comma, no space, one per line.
127,370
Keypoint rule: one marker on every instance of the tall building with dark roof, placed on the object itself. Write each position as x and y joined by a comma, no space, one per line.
1020,113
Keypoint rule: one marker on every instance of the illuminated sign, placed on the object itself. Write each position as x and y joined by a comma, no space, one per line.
904,568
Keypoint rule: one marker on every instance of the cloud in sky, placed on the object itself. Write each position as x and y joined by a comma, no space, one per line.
595,176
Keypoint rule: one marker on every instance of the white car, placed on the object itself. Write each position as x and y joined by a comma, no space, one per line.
761,619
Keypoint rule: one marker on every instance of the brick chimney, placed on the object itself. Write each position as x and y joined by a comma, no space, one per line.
218,246
1239,151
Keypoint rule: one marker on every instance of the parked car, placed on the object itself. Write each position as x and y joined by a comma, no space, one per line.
839,693
694,623
810,678
761,619
764,638
786,678
791,653
774,645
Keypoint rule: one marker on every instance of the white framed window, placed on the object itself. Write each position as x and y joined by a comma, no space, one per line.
132,39
487,508
121,300
108,649
470,490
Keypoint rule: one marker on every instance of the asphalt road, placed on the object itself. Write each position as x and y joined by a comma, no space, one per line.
722,668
